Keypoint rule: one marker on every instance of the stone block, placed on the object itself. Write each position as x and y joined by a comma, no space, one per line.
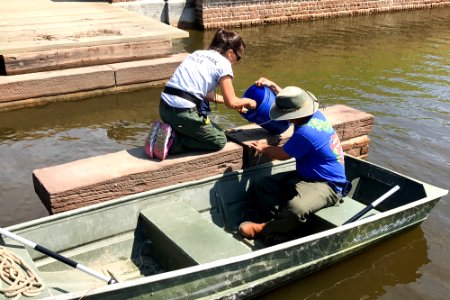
351,124
358,142
97,179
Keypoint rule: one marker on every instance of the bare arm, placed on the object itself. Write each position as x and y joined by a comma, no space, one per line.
213,97
270,84
229,97
274,152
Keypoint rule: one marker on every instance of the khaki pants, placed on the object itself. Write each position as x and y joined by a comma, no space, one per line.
285,201
192,131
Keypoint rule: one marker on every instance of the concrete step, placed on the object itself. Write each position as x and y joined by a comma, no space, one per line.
35,88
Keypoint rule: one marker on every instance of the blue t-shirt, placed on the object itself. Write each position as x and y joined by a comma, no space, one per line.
317,151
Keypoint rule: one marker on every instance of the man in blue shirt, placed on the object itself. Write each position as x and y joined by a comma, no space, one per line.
285,200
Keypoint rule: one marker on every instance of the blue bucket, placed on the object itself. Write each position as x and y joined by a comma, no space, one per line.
264,98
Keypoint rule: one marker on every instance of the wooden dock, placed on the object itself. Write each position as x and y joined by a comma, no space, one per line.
43,35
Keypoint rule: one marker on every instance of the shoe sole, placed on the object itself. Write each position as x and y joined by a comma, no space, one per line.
163,141
151,139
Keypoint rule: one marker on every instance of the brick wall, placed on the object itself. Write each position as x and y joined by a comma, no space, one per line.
236,13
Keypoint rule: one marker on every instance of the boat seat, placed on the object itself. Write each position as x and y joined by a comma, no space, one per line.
340,213
181,237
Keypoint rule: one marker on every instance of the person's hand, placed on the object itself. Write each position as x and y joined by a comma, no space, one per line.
269,83
252,104
242,110
259,146
264,81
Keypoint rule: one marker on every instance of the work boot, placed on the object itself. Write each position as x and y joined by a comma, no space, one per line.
250,229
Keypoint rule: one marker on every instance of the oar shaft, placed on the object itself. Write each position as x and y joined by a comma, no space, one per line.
56,256
373,204
17,238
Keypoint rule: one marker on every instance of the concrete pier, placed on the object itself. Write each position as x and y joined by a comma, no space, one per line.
102,178
63,50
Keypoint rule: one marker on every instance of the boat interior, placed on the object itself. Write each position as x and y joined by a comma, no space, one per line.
186,225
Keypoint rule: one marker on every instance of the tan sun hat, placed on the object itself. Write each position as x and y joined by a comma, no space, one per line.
293,103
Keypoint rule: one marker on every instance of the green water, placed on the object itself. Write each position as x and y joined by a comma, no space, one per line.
395,66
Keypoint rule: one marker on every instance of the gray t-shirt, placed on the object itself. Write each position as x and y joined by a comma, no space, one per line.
198,74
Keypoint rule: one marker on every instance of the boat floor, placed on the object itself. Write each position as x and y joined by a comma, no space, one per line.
123,270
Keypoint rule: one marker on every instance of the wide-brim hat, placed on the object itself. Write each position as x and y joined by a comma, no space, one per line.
293,103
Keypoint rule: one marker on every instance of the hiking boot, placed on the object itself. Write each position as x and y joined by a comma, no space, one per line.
164,139
151,138
250,229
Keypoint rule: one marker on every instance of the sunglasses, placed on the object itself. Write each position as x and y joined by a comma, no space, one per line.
238,57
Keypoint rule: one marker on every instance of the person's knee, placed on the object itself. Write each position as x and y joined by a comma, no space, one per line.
303,206
220,140
301,209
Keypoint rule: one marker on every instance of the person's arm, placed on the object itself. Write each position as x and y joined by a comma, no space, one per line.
213,97
270,84
274,152
229,97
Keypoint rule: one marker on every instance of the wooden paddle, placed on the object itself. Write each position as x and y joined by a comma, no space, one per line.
56,256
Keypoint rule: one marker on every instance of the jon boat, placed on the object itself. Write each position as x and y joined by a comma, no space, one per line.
181,241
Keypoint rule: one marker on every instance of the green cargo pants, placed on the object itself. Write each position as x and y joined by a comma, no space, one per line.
285,201
192,131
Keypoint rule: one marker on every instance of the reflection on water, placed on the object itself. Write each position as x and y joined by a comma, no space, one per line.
395,66
366,276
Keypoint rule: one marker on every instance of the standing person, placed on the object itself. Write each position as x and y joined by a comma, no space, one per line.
285,200
184,105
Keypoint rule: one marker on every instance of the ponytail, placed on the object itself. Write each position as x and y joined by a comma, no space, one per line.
224,40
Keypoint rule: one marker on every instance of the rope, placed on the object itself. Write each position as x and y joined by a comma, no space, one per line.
22,280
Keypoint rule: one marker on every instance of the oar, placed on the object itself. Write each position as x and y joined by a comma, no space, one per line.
56,256
373,204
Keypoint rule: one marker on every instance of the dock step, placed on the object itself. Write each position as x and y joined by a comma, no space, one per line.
182,237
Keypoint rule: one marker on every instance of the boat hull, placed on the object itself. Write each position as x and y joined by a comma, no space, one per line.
110,234
251,275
